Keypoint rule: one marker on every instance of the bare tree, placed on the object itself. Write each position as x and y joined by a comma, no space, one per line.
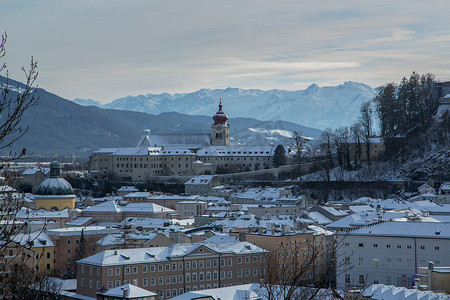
17,262
303,271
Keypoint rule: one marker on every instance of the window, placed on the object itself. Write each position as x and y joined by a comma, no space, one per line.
388,280
160,268
180,278
399,246
346,244
110,272
194,277
201,276
167,267
360,261
194,265
168,294
167,279
174,266
222,275
409,246
144,269
388,246
388,262
375,245
399,262
109,284
436,248
174,279
117,271
180,266
347,260
117,283
255,259
422,247
239,273
222,262
247,259
215,263
135,270
247,272
208,264
360,245
160,280
127,270
201,264
347,278
361,279
98,271
208,276
145,281
187,265
152,281
375,262
229,262
409,262
188,277
255,272
152,268
91,283
239,260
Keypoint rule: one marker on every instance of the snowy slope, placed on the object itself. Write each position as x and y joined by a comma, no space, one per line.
318,107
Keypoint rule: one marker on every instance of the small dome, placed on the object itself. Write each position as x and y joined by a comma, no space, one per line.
54,186
220,117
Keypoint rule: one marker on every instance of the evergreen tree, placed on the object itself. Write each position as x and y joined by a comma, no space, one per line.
279,156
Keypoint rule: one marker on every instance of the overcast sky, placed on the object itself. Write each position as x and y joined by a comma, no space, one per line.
106,49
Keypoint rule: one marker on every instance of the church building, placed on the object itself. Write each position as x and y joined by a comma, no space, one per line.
181,154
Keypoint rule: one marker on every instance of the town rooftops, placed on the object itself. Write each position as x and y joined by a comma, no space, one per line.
36,239
25,213
164,254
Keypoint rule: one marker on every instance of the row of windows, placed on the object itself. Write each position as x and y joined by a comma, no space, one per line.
375,245
201,264
174,279
400,281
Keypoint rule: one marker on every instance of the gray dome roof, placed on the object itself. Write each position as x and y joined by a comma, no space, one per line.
54,186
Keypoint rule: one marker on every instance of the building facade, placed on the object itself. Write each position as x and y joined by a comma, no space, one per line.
391,253
171,271
158,155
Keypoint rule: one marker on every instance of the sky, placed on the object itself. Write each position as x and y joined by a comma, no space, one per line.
107,49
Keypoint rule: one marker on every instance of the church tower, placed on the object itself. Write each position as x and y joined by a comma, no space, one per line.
220,129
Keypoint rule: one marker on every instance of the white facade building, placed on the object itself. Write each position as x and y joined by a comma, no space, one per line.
391,252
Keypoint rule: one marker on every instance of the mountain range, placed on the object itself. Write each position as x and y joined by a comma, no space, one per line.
316,107
59,126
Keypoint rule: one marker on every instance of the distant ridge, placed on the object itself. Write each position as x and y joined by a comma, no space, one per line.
317,107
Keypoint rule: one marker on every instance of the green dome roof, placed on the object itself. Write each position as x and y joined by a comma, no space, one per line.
54,186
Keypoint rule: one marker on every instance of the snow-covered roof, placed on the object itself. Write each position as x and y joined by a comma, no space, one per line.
436,230
25,213
237,292
236,151
319,218
36,239
174,197
132,292
114,207
146,223
201,179
106,150
34,171
158,254
136,151
390,292
128,188
76,231
361,208
118,239
138,195
192,140
221,238
363,218
80,221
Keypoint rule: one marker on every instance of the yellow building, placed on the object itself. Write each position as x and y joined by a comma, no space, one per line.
55,192
42,246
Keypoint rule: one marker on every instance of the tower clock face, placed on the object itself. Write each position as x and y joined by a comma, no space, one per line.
219,127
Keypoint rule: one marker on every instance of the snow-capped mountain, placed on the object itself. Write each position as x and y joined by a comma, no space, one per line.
318,107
